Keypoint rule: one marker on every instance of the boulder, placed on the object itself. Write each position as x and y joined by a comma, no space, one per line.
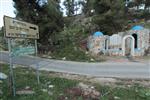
51,86
3,76
83,86
44,90
64,58
89,92
74,91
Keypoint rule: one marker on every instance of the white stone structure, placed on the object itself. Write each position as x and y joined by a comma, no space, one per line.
134,42
124,43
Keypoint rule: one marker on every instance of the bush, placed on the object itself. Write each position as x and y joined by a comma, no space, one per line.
70,52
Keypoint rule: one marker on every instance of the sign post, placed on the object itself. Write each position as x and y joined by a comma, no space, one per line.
11,74
37,66
22,30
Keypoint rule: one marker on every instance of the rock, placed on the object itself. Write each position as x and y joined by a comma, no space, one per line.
92,87
86,52
25,92
129,86
66,98
91,59
86,94
50,93
89,92
27,87
3,76
27,72
64,58
74,91
51,86
49,57
44,90
49,82
147,94
62,98
95,95
148,21
45,56
83,86
14,66
117,98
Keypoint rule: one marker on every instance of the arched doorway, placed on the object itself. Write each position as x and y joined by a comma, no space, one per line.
106,44
128,45
136,40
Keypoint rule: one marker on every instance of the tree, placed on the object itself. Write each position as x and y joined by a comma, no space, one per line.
147,5
69,5
110,15
87,6
2,32
138,3
45,14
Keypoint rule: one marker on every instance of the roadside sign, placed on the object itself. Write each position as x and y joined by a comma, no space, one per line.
20,29
20,51
16,29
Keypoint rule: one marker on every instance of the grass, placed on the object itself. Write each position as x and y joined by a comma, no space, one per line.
27,77
147,25
71,53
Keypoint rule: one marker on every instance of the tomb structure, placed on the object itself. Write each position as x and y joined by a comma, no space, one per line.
135,42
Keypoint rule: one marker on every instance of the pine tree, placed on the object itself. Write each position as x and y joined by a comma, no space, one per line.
147,5
110,15
45,14
69,5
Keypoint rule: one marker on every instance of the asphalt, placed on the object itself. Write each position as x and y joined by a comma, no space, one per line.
103,69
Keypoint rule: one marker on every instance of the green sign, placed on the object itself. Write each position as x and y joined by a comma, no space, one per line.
23,51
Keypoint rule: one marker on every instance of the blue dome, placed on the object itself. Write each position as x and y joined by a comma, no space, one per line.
98,34
138,27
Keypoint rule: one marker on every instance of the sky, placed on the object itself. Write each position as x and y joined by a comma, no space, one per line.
6,8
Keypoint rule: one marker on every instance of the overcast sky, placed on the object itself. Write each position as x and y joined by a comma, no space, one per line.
6,8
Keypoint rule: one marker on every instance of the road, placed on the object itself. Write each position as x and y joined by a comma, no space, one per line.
103,69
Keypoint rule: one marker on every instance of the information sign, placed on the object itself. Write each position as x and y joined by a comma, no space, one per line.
20,51
20,29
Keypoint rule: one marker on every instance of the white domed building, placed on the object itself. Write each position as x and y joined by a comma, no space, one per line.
135,42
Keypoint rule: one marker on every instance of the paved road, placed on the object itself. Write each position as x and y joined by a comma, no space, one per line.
105,69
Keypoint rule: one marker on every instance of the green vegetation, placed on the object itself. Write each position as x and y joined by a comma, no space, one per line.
109,15
135,92
147,25
26,77
66,36
71,53
71,46
3,44
44,13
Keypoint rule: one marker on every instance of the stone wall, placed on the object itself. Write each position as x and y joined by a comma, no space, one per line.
112,45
